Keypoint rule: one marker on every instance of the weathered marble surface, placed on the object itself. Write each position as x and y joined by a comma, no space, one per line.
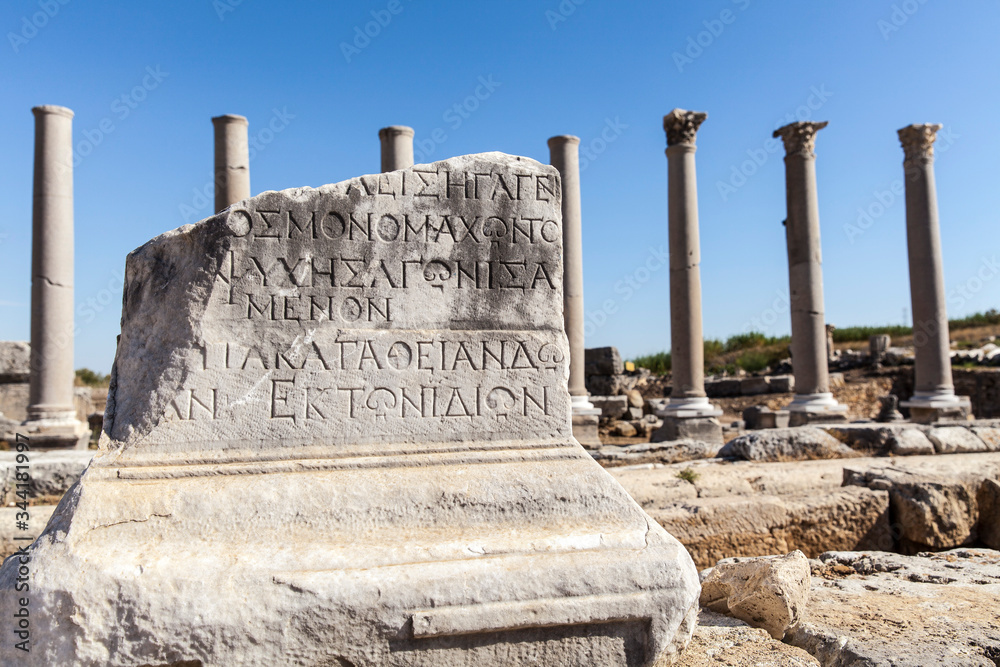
875,609
338,433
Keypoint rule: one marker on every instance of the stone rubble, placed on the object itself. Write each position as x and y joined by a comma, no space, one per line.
769,592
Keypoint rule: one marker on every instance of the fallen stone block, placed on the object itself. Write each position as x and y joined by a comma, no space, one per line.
15,358
605,385
722,388
635,400
611,407
956,439
990,435
51,473
782,384
675,451
602,361
787,444
705,429
760,417
769,592
927,511
758,525
910,442
754,386
623,429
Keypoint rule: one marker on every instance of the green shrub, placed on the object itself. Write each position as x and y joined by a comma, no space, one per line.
753,361
853,334
688,475
656,363
89,378
745,341
713,347
989,318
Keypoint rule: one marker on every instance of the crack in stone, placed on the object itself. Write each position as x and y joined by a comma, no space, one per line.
53,283
118,523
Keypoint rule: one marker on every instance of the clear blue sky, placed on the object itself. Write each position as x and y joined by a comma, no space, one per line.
593,68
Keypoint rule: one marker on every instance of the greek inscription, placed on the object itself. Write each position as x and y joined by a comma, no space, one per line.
361,354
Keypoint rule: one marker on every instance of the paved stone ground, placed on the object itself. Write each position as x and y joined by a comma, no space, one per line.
878,609
721,640
721,509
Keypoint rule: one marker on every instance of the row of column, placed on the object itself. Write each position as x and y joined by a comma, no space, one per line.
51,412
934,397
689,413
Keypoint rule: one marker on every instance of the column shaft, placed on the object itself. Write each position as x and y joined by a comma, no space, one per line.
51,387
687,347
565,156
932,366
813,401
805,276
397,147
688,414
232,160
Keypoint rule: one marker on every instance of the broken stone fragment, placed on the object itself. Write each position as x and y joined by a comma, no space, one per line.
768,592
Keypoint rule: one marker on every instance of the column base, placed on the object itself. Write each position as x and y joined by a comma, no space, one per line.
927,407
585,431
760,417
820,408
689,407
55,433
585,420
703,429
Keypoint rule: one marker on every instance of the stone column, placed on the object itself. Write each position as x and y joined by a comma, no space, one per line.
564,155
934,396
51,412
232,160
397,147
813,400
688,414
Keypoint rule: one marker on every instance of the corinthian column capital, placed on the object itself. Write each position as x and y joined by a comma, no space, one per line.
681,126
800,137
918,141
